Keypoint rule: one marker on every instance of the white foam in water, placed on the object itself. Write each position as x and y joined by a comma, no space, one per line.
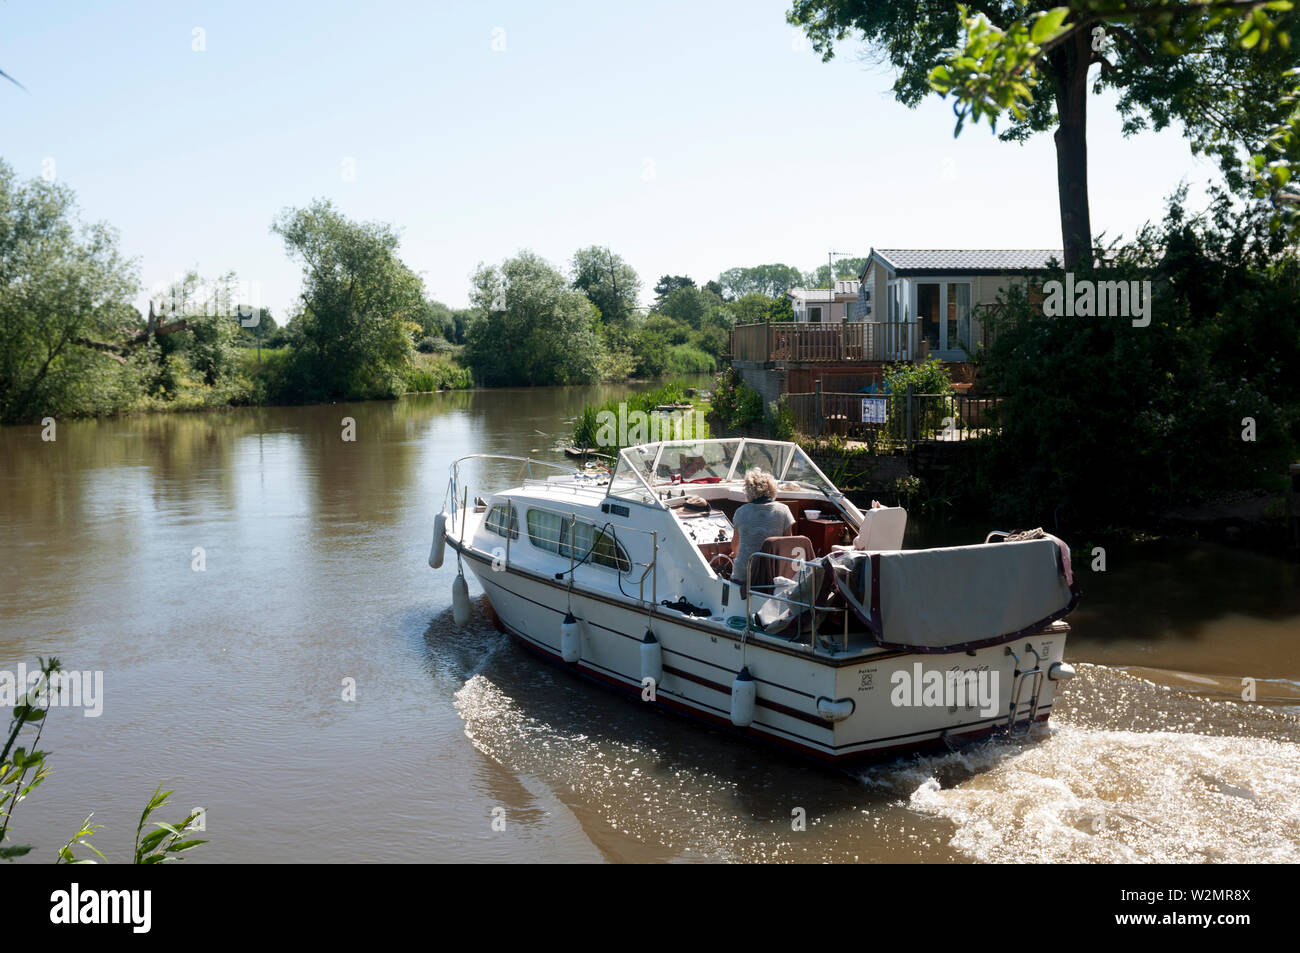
1120,796
1130,772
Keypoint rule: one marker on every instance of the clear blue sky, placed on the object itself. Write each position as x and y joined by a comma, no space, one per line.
689,137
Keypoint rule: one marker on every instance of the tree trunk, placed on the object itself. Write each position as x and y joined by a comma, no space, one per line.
1070,64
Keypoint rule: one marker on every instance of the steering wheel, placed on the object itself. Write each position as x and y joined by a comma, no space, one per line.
722,564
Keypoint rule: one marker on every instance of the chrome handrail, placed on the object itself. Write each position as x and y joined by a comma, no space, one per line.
453,483
809,606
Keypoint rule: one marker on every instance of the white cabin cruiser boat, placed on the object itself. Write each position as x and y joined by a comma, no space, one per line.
845,644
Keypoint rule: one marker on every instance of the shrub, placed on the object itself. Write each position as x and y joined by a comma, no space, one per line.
735,403
426,374
685,359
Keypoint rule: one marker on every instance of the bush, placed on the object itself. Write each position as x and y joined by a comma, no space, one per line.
586,427
735,403
426,374
1105,424
431,344
684,359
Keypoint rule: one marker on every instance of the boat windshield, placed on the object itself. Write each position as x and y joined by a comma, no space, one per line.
701,461
642,469
632,476
768,456
805,474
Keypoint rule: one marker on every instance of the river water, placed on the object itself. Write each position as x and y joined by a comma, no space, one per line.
225,673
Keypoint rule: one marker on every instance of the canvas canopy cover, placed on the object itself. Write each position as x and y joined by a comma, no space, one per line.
958,597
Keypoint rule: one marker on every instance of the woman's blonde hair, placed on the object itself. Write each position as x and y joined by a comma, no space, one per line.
758,483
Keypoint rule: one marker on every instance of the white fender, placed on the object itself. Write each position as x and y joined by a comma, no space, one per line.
744,691
834,710
460,600
1061,672
439,540
652,658
570,639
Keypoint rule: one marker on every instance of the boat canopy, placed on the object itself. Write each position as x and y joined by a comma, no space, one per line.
642,469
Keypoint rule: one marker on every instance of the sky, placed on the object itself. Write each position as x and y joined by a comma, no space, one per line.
687,137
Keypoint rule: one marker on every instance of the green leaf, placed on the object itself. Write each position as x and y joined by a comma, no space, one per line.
152,840
1048,25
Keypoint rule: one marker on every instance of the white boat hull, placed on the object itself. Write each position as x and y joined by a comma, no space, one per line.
873,698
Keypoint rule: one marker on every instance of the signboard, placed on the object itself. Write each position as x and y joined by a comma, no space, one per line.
873,410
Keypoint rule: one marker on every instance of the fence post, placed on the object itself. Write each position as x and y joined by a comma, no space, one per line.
817,403
907,417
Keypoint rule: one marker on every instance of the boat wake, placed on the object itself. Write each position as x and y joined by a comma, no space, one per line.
1130,771
1218,788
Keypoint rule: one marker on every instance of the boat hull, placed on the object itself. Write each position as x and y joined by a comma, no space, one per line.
883,703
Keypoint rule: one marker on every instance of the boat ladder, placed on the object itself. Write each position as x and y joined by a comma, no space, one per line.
1033,677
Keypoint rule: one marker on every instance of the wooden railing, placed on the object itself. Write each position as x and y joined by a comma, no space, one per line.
828,343
749,342
888,421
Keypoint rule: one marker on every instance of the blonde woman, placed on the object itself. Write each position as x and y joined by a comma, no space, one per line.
758,519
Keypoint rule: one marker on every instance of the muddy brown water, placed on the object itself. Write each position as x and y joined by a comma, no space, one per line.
228,683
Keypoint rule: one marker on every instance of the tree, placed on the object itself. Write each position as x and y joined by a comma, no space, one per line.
463,318
209,312
1194,62
846,269
436,320
688,305
532,328
756,308
266,325
65,312
610,283
1169,400
772,281
670,283
359,304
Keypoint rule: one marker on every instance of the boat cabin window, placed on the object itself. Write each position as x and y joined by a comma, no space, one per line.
503,520
579,538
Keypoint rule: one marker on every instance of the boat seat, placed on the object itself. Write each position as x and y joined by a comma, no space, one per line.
882,529
764,571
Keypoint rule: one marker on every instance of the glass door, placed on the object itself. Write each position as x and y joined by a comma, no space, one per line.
928,315
959,316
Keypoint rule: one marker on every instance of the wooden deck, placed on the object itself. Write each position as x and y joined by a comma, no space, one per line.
853,341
